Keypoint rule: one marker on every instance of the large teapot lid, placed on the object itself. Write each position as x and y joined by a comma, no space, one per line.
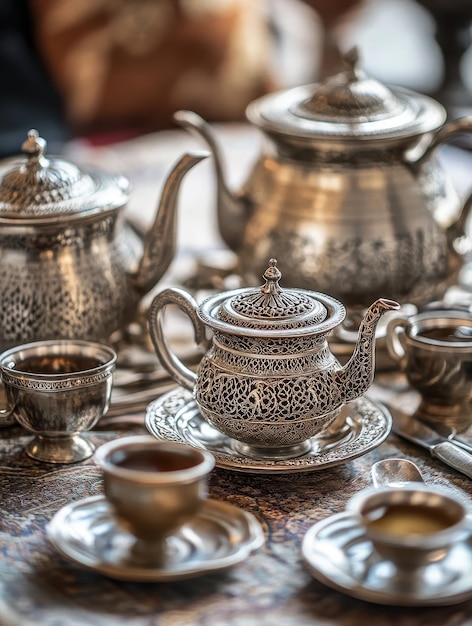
39,189
349,105
272,311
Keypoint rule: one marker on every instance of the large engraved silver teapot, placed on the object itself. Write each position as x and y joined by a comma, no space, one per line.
347,174
268,378
71,266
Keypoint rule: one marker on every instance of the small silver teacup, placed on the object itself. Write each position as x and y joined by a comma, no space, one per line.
411,526
57,389
153,488
434,351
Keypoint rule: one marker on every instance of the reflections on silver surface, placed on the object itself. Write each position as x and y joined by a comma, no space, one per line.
361,426
220,536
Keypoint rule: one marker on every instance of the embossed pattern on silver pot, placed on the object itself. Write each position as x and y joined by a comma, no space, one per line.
71,266
268,379
348,185
282,392
66,282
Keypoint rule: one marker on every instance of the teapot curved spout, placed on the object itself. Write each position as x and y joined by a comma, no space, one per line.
358,373
161,239
232,208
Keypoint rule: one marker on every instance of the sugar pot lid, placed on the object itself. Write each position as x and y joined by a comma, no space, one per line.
271,311
37,189
348,105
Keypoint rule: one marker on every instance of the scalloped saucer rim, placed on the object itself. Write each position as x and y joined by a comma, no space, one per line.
366,424
220,536
337,553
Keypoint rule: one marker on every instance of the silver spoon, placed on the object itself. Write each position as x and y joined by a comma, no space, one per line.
395,473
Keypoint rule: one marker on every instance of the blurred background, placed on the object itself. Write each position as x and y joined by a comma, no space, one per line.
107,70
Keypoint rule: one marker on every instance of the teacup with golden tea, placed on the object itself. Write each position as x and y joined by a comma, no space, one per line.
411,526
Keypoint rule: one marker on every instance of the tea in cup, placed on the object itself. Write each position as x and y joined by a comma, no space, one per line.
411,526
154,488
57,389
434,351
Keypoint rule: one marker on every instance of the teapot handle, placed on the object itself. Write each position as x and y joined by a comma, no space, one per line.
182,374
422,153
395,346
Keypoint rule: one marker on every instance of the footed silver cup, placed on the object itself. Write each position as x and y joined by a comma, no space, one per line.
154,488
435,352
411,526
56,390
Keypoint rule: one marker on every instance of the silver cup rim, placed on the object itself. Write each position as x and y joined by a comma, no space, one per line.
428,320
102,458
459,529
102,352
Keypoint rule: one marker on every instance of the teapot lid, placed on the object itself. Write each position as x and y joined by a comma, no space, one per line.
348,105
43,189
271,310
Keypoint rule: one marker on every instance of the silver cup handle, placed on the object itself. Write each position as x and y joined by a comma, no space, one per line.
395,331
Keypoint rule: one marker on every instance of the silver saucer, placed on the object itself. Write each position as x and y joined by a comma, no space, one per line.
338,554
220,536
361,427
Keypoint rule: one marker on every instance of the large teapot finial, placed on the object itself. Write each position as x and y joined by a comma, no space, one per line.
352,60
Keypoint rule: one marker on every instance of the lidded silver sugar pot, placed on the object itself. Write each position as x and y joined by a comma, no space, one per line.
71,266
268,379
347,174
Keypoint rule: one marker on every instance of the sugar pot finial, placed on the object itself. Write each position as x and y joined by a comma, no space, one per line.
34,145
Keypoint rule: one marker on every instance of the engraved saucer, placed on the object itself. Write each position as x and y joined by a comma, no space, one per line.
361,426
338,554
220,536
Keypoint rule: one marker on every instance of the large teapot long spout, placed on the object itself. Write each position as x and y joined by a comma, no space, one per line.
358,373
232,208
161,239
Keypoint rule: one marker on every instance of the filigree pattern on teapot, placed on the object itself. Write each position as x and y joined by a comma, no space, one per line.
268,379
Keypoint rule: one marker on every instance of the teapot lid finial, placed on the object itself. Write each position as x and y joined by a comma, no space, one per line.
352,60
272,276
49,189
34,146
266,308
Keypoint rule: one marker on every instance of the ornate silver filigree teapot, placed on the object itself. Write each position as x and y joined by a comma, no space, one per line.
268,378
71,266
347,174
